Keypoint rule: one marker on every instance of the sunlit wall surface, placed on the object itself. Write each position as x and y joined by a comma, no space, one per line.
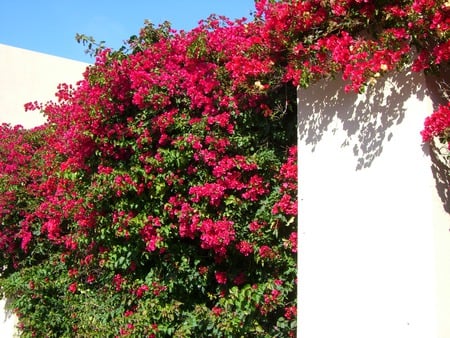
374,240
27,76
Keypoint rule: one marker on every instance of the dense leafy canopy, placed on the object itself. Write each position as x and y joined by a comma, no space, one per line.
160,198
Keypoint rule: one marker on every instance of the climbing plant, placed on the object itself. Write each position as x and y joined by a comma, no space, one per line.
160,198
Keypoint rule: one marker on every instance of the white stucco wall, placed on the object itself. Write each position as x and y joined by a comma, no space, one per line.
27,76
8,321
374,240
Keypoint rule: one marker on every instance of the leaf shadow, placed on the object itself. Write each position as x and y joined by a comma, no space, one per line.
7,310
439,153
367,119
440,167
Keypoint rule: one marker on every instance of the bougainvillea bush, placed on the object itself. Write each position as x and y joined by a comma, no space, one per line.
160,198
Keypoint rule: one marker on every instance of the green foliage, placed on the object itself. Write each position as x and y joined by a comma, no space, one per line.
150,233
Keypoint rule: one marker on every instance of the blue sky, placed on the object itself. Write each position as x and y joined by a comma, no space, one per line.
49,26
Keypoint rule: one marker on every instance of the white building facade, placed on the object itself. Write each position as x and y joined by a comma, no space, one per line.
374,213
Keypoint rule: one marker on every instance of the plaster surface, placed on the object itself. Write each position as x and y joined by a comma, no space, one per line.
374,225
27,76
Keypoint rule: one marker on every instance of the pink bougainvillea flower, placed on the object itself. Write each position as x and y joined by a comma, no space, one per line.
221,277
73,287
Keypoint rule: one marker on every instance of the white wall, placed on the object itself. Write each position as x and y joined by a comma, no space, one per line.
27,76
374,240
7,321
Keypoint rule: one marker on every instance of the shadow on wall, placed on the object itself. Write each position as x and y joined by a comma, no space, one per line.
439,89
366,119
8,319
440,167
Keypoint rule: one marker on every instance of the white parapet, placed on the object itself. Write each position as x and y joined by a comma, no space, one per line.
374,240
28,76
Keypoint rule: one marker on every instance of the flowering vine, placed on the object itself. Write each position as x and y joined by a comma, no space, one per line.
160,198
